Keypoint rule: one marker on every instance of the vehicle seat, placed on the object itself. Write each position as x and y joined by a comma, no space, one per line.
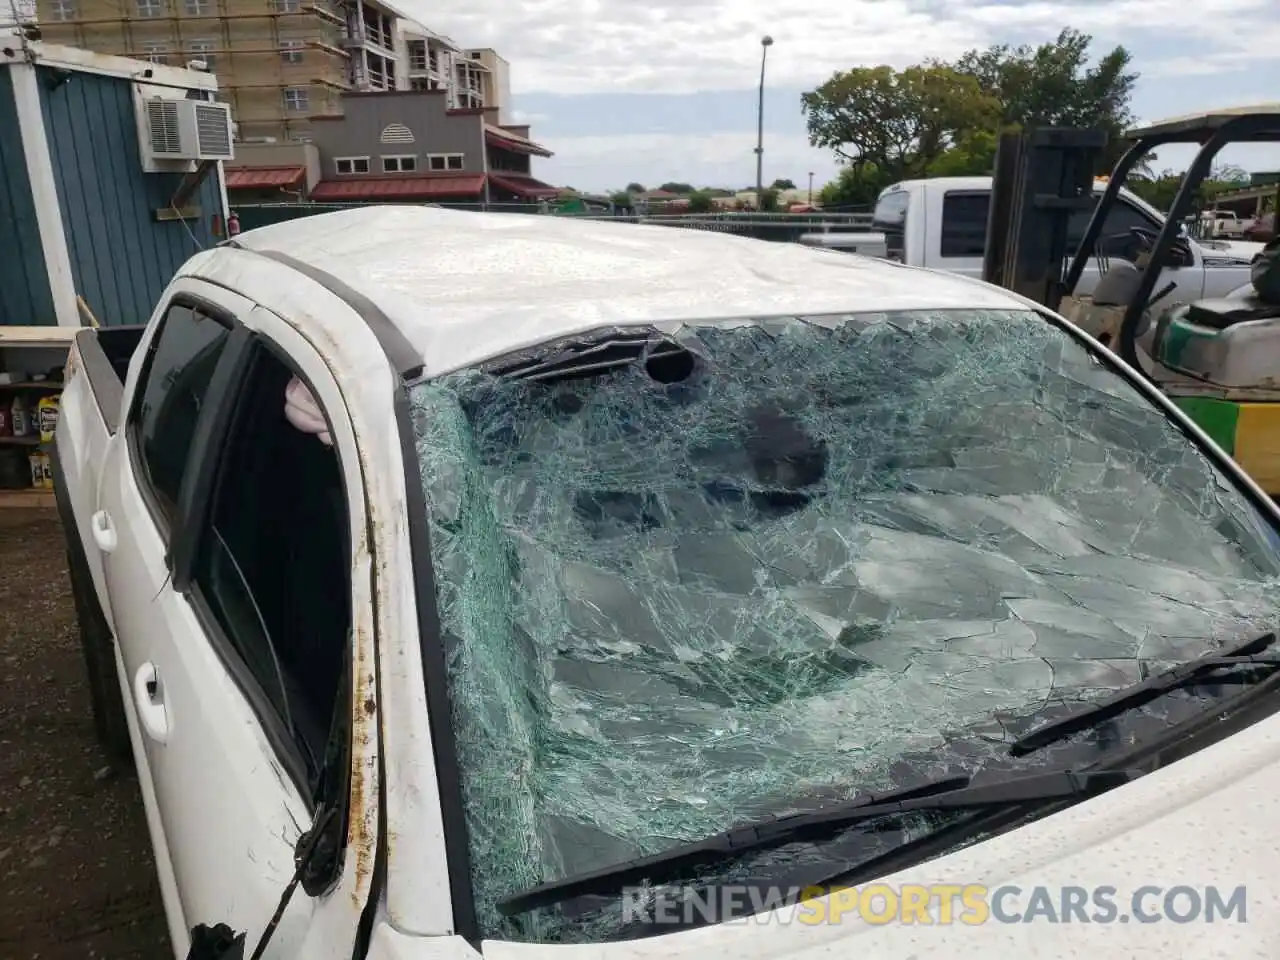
1222,312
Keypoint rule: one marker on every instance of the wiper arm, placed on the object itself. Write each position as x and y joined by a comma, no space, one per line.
1183,675
946,794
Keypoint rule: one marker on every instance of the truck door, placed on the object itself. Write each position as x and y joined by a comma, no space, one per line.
1118,241
228,560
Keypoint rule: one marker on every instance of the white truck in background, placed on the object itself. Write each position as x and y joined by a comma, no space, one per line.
942,224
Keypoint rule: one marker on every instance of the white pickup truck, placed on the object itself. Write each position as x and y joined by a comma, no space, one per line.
536,589
942,224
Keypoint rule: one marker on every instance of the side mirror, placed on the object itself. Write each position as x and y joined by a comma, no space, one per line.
1180,254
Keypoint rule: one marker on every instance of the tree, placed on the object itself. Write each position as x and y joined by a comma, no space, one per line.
783,185
699,201
768,200
622,198
681,188
889,125
1054,85
634,187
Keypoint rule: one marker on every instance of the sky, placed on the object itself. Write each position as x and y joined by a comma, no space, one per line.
666,90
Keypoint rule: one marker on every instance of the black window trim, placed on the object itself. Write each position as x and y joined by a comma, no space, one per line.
164,523
942,222
204,471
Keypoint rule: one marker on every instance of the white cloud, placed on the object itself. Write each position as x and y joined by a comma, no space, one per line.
582,46
716,160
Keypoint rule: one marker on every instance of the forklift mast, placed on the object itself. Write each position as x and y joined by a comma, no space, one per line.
1043,175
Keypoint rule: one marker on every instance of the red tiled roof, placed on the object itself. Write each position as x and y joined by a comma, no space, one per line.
256,178
400,188
497,137
523,186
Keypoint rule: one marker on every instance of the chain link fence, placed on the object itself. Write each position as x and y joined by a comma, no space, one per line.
784,227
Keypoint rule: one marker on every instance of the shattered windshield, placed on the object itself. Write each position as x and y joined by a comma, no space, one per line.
792,558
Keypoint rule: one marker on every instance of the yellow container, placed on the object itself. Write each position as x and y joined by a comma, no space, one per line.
47,416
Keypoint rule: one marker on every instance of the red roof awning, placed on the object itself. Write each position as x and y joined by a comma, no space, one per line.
523,186
400,188
258,178
505,140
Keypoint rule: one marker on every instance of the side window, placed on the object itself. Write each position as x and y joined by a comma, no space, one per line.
964,224
271,566
890,218
172,385
1115,239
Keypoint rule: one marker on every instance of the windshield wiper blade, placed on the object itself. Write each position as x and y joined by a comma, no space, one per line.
1184,675
956,793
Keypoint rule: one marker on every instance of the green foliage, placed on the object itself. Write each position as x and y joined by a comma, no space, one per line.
684,189
768,200
1054,85
622,198
1160,189
898,121
634,187
783,185
944,119
699,201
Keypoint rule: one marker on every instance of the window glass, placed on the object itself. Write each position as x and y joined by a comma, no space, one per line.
272,563
890,218
964,224
762,566
174,381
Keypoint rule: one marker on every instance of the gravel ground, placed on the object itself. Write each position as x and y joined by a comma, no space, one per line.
76,874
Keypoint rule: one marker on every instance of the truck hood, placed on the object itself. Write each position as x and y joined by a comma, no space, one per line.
1206,821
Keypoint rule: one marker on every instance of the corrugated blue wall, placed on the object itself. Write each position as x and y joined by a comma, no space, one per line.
24,282
121,257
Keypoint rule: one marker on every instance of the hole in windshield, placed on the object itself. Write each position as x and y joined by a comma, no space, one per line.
697,578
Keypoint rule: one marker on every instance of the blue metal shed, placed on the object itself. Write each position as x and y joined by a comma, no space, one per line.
79,214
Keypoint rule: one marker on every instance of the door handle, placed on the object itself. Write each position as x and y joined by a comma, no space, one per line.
148,694
104,533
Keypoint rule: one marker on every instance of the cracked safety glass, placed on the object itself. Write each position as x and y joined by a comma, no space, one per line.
689,582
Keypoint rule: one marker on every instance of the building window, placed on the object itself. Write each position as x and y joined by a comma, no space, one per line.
202,50
62,10
156,52
297,99
291,51
475,54
197,8
406,163
444,161
150,8
417,55
351,165
286,6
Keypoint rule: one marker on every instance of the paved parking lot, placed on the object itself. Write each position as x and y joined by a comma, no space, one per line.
76,877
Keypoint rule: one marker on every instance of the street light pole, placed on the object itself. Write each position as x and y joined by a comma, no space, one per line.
810,188
765,43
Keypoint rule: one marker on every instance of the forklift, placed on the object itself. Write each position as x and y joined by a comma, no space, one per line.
1218,360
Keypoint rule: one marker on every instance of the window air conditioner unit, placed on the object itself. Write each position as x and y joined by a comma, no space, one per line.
175,134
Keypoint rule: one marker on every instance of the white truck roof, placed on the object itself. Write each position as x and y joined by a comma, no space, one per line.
464,287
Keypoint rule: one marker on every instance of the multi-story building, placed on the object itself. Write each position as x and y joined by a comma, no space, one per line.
405,146
281,62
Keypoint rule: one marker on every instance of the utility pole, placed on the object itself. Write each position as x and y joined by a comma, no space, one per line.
810,188
765,43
